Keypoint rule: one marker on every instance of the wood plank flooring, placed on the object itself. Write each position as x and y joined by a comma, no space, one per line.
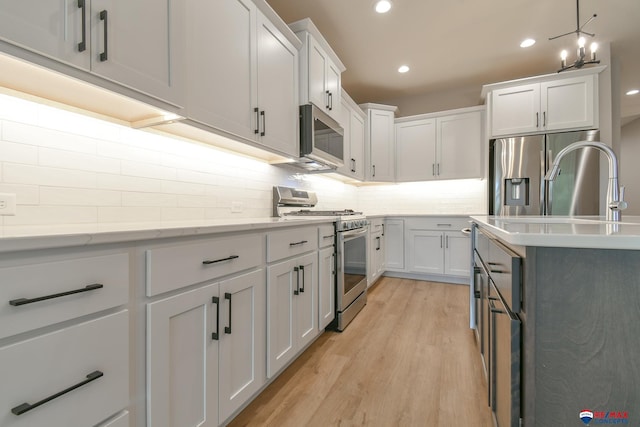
408,359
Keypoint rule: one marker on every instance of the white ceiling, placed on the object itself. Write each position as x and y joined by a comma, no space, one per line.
458,45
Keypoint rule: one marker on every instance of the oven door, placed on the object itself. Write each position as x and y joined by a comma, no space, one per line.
352,265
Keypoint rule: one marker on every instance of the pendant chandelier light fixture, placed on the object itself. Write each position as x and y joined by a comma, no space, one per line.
581,59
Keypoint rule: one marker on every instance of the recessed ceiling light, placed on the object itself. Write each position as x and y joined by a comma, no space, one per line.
633,92
383,6
527,43
403,69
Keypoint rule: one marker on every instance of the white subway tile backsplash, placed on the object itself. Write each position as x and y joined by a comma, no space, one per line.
149,199
129,214
18,153
79,197
14,173
66,168
81,161
42,214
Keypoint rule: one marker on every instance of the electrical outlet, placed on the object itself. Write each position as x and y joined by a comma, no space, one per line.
236,207
7,204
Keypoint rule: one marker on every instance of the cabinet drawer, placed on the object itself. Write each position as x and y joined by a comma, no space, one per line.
290,242
23,286
326,235
174,267
376,225
438,223
36,369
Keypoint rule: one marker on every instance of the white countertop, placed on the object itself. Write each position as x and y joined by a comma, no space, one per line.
562,231
44,237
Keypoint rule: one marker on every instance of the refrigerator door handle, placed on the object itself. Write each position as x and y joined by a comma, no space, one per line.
543,184
549,187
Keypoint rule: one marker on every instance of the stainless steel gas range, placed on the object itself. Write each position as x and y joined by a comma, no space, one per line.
351,246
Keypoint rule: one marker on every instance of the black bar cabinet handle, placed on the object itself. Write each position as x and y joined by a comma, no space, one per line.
353,165
378,240
104,17
302,270
301,242
330,101
537,119
264,123
229,258
26,407
297,290
216,334
227,329
257,129
374,170
544,118
82,46
328,236
23,301
327,92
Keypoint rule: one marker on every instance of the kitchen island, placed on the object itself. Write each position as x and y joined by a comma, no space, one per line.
580,304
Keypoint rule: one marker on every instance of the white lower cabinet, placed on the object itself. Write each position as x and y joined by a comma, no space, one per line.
437,246
205,352
326,287
76,376
394,244
292,320
376,250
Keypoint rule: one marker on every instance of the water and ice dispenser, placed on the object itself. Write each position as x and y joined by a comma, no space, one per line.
516,192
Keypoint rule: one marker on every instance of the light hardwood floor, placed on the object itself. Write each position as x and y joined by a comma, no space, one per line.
408,359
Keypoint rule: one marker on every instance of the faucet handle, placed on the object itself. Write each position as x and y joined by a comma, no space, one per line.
619,205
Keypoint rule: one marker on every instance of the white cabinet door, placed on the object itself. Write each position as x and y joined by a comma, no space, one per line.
318,60
182,360
357,142
334,89
416,150
326,287
457,253
394,244
376,257
306,302
51,28
144,47
242,340
382,146
222,53
459,148
277,68
515,110
282,282
425,250
569,103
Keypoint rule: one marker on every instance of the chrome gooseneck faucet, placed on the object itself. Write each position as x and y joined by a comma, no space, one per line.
615,193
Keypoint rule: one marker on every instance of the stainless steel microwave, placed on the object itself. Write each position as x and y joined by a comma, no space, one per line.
321,140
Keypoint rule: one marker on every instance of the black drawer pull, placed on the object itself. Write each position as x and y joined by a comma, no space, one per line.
227,329
26,407
301,242
23,301
302,270
216,334
328,236
297,271
82,46
229,258
104,54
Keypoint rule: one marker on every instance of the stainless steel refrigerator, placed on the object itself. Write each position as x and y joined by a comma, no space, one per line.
518,166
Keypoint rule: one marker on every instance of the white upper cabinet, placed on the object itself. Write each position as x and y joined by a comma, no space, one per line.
380,142
139,44
320,70
459,145
243,74
416,150
277,90
432,147
352,119
559,104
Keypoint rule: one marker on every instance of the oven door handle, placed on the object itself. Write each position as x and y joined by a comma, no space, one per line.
352,234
